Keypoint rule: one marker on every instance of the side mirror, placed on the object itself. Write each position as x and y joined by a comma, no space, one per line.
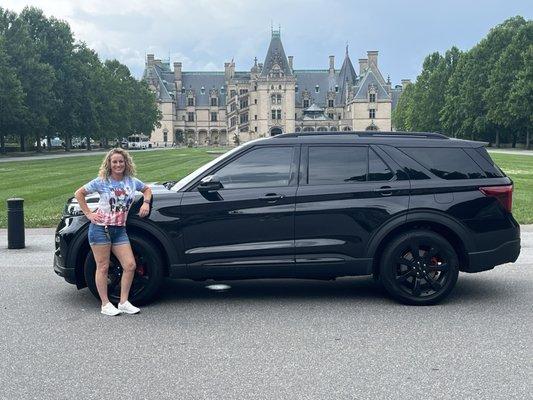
210,184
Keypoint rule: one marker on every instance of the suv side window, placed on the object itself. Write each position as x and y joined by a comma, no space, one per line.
261,167
377,169
337,164
446,162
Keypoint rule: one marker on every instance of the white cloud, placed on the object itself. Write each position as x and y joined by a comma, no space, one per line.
203,34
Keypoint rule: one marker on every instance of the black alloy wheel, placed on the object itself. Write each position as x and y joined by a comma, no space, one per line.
419,268
148,273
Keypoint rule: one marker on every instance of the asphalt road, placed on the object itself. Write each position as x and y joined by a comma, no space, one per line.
266,339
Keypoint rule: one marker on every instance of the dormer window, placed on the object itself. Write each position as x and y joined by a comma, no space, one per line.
190,101
202,90
183,90
222,89
372,97
306,103
214,101
317,89
336,88
296,88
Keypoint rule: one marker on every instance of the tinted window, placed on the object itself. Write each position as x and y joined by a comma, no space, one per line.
261,167
377,169
446,163
334,165
482,158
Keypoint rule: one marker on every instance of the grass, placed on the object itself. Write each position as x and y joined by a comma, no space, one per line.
46,184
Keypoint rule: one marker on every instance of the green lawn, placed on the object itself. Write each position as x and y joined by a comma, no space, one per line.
46,184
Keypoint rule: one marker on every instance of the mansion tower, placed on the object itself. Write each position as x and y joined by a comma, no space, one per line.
225,108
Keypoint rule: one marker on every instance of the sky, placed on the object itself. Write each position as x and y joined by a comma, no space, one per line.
203,34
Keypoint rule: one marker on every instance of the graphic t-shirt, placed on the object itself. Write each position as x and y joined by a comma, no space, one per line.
115,198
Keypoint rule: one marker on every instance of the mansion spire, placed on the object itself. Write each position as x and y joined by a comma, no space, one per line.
347,76
276,64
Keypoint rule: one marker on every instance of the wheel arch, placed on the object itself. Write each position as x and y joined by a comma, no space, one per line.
452,230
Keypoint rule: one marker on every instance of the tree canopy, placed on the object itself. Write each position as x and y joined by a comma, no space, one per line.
51,85
485,93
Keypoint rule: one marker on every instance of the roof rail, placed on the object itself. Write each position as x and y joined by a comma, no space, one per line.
379,134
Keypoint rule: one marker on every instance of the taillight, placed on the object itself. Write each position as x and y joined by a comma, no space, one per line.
504,194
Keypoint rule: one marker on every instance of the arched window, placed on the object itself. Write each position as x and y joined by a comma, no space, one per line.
309,129
333,129
322,129
346,129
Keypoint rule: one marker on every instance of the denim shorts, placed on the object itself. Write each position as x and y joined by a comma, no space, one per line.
109,234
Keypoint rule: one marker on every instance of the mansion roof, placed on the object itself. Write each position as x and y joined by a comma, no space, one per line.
317,86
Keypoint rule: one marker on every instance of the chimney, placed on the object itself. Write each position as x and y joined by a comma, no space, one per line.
372,58
177,71
363,65
331,64
405,82
290,62
149,60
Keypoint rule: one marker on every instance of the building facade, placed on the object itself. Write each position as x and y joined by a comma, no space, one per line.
231,107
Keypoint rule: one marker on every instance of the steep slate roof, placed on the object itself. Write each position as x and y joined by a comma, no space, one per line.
207,80
156,73
362,88
347,76
309,79
276,55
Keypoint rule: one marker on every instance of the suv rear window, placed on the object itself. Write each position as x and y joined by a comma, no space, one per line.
446,163
346,164
336,164
482,158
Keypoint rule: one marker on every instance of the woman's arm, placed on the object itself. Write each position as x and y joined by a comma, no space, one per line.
80,196
145,208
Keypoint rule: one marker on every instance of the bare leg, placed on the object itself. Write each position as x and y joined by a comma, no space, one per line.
125,256
101,256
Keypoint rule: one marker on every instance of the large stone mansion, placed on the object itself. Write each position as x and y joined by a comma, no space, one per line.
224,108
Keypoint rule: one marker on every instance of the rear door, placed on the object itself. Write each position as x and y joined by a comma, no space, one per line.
346,193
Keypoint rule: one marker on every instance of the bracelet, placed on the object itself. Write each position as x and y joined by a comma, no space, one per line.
146,201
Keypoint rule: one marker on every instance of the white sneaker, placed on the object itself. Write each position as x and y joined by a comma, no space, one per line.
110,309
128,308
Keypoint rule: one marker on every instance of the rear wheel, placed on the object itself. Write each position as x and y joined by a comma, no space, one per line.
148,273
419,267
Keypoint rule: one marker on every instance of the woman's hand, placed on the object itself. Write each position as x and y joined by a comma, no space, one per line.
94,217
145,209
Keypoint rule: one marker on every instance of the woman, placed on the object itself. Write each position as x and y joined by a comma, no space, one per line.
116,185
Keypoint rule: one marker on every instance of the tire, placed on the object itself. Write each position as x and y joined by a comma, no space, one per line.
148,274
419,268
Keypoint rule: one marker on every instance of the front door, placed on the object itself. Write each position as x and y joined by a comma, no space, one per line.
247,224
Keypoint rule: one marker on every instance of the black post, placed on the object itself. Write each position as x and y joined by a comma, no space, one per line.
15,224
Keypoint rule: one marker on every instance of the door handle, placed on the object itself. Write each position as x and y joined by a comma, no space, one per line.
271,197
384,191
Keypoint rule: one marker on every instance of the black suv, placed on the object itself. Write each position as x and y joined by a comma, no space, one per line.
411,209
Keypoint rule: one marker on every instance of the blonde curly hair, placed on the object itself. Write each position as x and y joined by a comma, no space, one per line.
105,168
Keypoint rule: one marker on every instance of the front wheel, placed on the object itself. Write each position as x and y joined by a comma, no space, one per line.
419,268
148,273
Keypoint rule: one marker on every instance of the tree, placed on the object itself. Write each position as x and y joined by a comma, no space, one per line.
503,79
520,103
12,109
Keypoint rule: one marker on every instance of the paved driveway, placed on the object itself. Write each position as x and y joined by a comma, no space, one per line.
266,339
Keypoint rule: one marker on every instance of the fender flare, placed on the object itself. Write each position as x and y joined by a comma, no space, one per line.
422,216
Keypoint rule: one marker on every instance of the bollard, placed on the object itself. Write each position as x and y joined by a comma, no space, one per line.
15,224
